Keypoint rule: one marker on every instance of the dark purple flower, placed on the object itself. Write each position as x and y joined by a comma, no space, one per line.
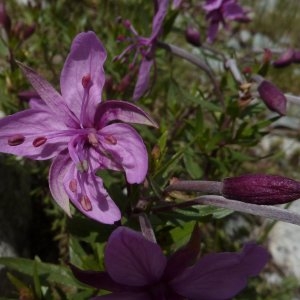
192,35
137,269
272,97
145,46
220,11
261,189
79,132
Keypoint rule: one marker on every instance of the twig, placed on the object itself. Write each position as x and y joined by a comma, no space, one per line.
196,61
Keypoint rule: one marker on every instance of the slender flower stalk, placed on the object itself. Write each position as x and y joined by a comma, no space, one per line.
137,269
79,132
195,61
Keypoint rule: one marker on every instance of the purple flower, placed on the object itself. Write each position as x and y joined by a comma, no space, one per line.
145,46
137,269
220,11
261,189
79,132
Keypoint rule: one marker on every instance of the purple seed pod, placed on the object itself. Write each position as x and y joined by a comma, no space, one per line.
285,59
261,189
192,36
272,97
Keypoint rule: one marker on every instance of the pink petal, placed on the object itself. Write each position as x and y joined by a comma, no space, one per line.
86,57
212,5
58,170
222,275
159,18
114,110
127,150
143,79
233,11
97,203
32,123
51,97
132,260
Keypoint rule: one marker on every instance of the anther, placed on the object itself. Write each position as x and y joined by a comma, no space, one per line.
39,141
85,203
92,138
73,185
86,81
110,139
16,140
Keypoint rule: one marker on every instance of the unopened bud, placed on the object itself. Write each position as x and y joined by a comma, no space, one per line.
23,31
4,17
296,57
285,59
272,97
192,36
261,189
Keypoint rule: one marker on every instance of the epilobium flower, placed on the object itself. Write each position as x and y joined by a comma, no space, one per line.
79,132
272,97
220,11
261,189
145,46
136,268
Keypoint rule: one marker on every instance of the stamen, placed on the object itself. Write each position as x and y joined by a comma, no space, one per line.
92,138
85,203
16,140
73,185
110,139
86,80
82,166
39,141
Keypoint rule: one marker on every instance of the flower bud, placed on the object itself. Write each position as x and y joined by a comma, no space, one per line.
192,36
272,97
4,17
296,57
285,59
261,189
